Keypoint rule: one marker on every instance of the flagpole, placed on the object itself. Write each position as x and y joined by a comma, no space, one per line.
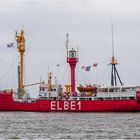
96,76
67,43
58,72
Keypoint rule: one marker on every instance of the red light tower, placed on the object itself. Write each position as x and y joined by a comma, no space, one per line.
72,59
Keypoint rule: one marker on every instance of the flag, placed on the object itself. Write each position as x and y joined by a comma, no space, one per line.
10,45
88,68
95,64
83,67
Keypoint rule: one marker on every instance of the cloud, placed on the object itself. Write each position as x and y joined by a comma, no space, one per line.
88,23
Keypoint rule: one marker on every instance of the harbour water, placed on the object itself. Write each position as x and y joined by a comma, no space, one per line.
35,125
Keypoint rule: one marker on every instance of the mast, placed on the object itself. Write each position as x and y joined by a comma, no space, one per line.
21,48
18,81
67,43
114,72
50,81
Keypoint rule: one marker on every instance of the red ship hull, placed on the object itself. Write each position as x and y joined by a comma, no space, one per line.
8,104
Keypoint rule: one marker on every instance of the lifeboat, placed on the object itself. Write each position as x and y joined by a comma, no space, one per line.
88,88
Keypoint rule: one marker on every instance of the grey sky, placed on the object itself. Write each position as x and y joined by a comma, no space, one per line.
88,22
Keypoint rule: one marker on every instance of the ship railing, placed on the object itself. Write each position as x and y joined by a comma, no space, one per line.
118,89
115,98
103,98
116,94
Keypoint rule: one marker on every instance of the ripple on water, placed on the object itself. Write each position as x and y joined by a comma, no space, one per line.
35,125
